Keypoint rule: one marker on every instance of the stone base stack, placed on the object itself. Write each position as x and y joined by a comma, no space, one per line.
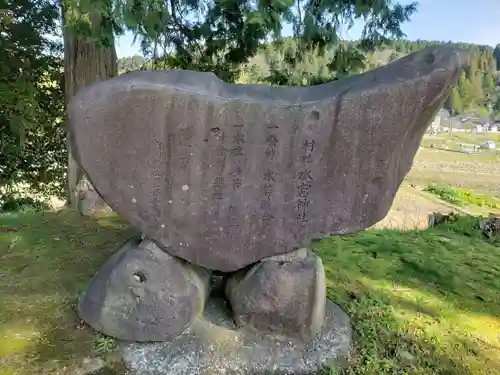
271,315
143,294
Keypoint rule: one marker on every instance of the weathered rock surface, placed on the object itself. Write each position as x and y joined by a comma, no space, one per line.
144,294
91,366
281,295
214,346
224,175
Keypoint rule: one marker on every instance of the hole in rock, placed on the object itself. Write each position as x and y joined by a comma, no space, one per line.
139,276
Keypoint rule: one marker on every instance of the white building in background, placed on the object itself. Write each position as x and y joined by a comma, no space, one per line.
439,121
435,124
478,129
486,128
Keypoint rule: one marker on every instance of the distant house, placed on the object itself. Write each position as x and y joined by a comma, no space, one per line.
444,113
435,124
476,119
480,129
493,128
483,120
439,120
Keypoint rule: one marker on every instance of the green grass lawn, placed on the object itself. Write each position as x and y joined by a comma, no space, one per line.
473,137
421,302
463,197
46,260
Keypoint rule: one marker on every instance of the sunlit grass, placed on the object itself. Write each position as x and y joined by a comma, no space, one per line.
46,259
461,197
421,302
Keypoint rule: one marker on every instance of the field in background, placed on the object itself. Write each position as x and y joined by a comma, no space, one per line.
478,172
463,141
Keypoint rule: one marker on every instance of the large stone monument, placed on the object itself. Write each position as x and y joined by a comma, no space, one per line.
236,180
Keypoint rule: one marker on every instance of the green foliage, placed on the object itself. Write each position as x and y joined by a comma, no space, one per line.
94,20
456,102
288,62
420,302
132,63
462,196
22,204
46,257
32,137
317,54
103,344
205,36
496,105
220,36
476,84
496,53
445,193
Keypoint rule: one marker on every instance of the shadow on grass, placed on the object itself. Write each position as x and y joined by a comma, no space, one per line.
421,302
46,260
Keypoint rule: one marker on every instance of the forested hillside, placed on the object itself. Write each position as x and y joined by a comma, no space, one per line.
277,64
282,63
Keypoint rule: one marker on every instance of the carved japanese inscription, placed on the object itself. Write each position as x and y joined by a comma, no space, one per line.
224,175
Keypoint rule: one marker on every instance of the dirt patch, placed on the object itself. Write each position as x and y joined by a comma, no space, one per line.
474,168
411,209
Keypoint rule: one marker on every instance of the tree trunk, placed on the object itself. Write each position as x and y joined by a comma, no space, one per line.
85,62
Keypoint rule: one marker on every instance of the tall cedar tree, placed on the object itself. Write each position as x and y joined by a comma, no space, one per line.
89,56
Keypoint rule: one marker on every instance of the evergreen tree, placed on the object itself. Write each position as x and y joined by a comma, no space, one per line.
89,56
130,63
496,54
31,133
317,33
456,102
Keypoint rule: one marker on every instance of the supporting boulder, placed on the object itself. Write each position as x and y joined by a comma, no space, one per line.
144,294
284,295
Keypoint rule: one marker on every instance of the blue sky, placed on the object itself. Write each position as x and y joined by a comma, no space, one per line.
476,21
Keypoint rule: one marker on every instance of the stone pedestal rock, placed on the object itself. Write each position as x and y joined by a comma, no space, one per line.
284,295
144,294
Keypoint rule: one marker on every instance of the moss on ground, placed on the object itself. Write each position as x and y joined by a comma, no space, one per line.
46,260
421,302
